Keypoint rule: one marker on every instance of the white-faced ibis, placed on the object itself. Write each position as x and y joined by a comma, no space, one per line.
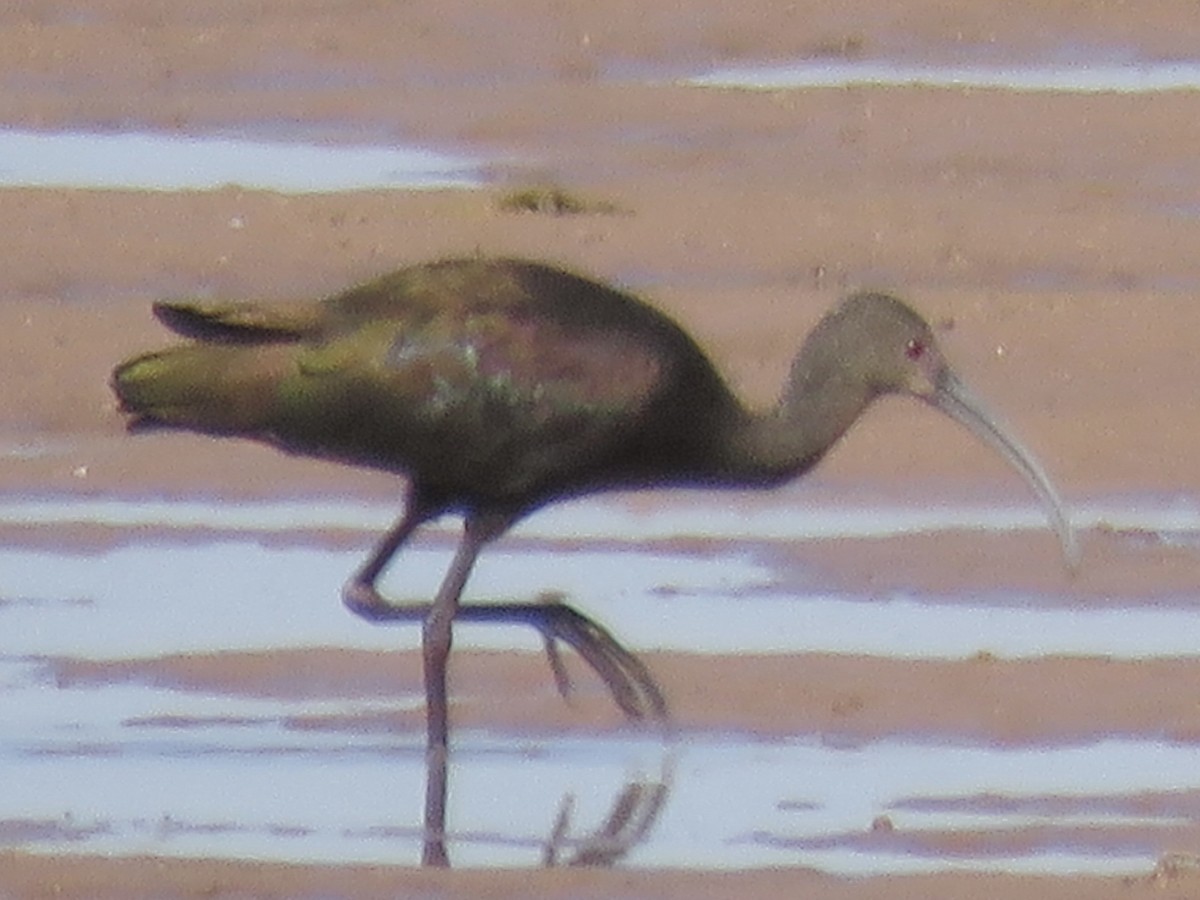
498,386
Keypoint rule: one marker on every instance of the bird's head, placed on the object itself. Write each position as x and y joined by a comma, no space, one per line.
883,346
883,343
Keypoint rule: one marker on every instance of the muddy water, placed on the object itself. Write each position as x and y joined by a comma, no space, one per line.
146,764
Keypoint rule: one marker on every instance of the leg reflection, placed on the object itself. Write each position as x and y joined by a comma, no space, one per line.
634,813
629,681
433,850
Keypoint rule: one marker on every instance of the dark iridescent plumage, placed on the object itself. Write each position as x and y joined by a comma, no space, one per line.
500,385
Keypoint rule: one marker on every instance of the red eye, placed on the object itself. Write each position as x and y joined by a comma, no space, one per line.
914,349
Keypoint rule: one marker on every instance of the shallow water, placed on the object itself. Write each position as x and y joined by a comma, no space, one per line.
787,514
149,160
1080,77
258,789
64,602
166,162
684,574
130,767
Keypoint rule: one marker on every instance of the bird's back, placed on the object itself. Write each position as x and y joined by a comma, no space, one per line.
488,381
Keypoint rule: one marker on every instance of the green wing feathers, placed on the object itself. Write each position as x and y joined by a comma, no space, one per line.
489,387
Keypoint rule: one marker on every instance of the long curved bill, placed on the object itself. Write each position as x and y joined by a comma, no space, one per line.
953,398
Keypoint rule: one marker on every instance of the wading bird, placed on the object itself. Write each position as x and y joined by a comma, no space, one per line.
498,386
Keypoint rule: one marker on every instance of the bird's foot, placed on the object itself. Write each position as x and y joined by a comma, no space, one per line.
632,686
562,678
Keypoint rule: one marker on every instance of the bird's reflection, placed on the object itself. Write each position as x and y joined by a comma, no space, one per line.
634,812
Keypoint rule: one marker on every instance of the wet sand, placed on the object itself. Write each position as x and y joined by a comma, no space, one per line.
839,697
166,878
145,878
1051,236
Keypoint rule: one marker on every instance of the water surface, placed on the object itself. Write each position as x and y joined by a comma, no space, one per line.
169,162
140,767
1072,77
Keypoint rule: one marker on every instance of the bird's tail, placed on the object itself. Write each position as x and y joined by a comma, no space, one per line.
219,389
226,380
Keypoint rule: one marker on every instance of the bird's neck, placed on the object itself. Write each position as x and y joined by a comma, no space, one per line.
819,404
